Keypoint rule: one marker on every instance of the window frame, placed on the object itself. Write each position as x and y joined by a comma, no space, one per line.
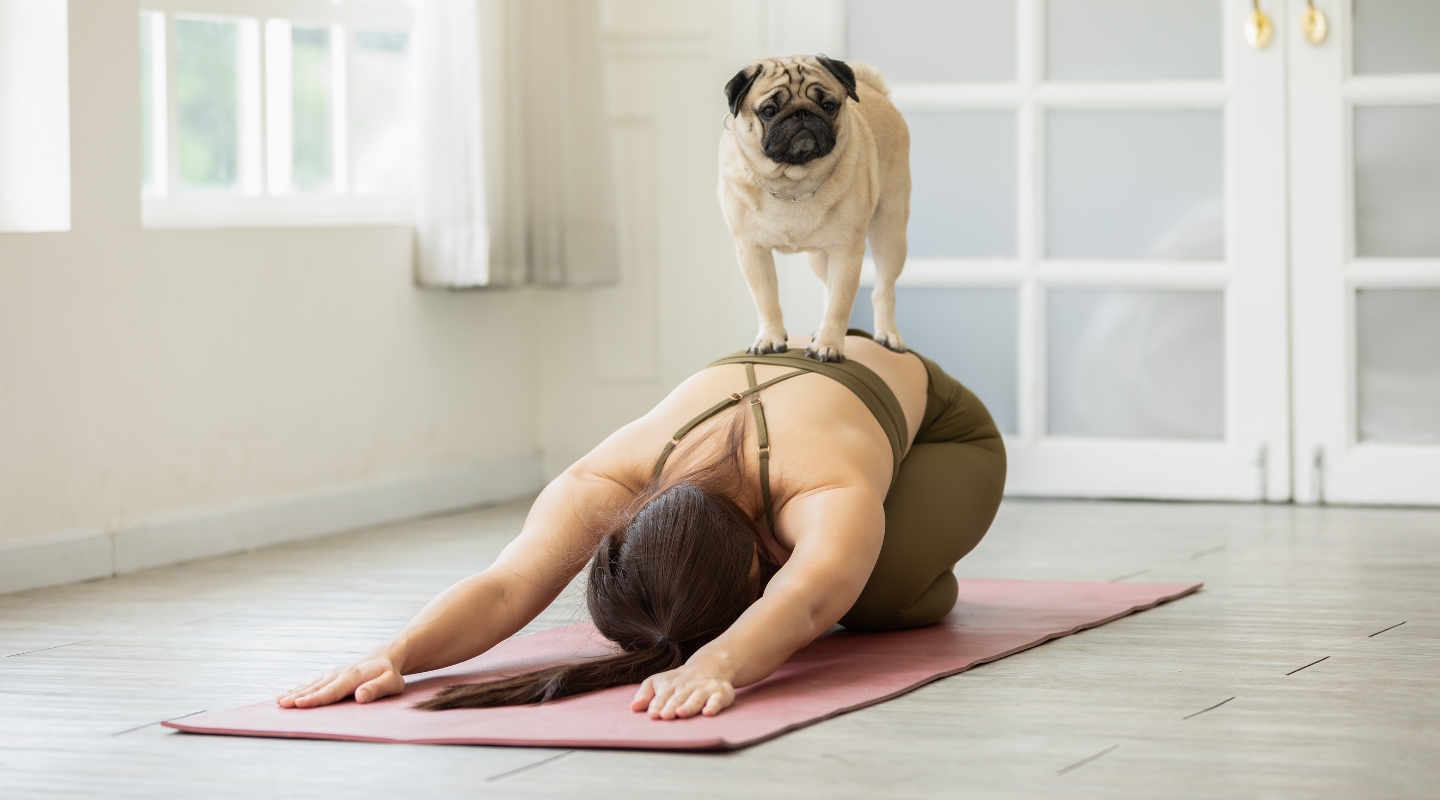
254,204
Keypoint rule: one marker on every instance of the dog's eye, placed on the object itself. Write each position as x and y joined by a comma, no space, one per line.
767,112
830,106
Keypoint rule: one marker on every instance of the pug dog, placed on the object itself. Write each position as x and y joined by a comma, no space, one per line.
814,158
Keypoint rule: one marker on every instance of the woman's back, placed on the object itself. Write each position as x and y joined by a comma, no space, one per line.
821,434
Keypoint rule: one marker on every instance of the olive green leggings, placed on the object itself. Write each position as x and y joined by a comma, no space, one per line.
939,507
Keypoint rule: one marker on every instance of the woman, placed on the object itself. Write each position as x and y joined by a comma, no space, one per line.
713,559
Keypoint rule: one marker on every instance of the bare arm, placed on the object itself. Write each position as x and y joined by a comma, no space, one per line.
838,536
483,610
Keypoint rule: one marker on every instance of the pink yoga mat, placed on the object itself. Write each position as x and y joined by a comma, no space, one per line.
841,671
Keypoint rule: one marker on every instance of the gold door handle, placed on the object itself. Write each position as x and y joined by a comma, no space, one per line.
1313,23
1258,28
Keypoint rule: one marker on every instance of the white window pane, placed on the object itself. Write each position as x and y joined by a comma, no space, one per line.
147,105
970,333
207,100
1135,184
1148,40
1396,36
962,170
310,108
1136,364
1398,359
34,116
935,40
380,141
1397,181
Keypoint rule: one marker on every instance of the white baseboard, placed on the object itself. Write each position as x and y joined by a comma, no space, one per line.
89,553
65,557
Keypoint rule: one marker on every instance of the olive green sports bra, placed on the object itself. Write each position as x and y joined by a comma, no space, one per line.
856,377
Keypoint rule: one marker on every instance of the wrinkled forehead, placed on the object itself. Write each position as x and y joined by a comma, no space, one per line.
785,80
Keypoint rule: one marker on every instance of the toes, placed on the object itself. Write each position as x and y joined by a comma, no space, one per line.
892,342
765,348
825,354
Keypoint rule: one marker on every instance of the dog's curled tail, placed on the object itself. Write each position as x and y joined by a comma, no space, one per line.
869,75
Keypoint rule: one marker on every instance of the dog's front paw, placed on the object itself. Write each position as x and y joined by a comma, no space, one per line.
825,349
890,339
768,342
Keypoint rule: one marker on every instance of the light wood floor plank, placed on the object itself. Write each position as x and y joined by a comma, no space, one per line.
88,670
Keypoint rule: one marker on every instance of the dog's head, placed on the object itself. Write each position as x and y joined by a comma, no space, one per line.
797,105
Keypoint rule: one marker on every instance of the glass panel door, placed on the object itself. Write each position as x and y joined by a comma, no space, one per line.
1365,178
1097,234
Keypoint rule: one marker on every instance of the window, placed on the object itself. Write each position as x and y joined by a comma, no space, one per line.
34,117
275,112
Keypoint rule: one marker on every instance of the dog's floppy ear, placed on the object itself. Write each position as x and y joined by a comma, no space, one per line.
739,86
842,73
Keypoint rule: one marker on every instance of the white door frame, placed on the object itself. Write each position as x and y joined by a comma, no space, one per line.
1333,465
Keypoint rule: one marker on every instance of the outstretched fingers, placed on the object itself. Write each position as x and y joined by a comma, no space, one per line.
661,699
693,703
644,695
679,696
287,700
719,701
338,688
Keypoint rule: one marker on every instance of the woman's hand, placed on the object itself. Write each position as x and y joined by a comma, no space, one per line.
695,688
370,678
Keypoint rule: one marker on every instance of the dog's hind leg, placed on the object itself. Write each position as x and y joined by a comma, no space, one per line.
757,264
888,246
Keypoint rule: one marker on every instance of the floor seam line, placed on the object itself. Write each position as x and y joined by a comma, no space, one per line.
1391,628
1211,708
1307,666
529,767
156,722
52,647
1084,761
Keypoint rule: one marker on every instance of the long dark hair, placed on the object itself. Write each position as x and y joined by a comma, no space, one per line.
672,573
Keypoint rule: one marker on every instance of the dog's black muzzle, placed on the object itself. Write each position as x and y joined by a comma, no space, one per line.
798,138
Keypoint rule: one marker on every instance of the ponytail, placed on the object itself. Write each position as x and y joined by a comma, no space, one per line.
553,683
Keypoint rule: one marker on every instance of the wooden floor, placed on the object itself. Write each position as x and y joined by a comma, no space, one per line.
1210,696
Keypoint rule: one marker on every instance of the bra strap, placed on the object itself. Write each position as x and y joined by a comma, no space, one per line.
761,430
763,436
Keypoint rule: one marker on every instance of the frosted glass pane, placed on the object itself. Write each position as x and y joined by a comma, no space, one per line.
1398,355
207,103
1136,363
310,91
1396,36
1397,181
962,197
970,333
1135,184
935,40
379,112
1144,40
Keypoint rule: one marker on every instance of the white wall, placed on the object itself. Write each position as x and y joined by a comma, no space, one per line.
144,373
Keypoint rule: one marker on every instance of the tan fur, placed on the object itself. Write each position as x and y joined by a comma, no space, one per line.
867,193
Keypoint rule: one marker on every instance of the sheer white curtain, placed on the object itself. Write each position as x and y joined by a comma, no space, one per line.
515,179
